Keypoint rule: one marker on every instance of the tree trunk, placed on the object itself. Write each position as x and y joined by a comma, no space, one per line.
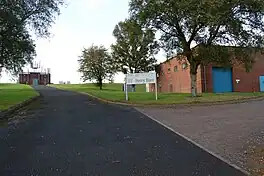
193,74
100,82
193,84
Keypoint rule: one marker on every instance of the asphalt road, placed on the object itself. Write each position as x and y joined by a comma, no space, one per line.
66,133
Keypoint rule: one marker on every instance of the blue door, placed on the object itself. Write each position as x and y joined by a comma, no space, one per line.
222,80
35,82
261,83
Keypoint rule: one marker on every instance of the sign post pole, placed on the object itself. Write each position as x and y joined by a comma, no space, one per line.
156,89
126,89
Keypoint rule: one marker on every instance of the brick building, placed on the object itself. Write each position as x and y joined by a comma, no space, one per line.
34,78
174,76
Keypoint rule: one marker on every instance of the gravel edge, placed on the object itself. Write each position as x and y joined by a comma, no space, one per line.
196,144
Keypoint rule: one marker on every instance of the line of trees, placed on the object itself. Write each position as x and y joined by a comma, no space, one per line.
209,24
133,52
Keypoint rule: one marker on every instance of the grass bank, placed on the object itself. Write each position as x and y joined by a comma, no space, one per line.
113,92
12,94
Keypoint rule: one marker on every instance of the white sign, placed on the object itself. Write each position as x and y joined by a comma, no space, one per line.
141,78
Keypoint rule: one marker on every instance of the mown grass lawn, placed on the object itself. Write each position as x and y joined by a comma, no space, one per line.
12,94
114,92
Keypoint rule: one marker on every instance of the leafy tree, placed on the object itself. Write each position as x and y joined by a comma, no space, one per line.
17,49
17,18
135,47
95,63
209,24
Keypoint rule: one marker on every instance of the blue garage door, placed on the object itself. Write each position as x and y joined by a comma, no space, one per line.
261,82
222,80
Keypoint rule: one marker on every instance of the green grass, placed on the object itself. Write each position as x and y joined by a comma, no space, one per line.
12,94
114,92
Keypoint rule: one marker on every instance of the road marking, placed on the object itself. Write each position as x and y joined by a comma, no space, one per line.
195,143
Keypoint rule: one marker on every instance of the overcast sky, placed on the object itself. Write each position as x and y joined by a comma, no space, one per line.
82,23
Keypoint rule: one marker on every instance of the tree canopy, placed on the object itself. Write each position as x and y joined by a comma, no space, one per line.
135,47
95,63
17,18
207,23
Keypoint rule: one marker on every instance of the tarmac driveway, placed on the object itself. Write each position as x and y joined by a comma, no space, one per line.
66,133
229,130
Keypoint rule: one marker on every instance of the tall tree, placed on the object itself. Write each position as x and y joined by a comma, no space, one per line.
95,63
16,47
17,18
209,24
135,47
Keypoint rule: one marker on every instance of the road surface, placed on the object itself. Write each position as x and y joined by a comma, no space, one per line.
66,133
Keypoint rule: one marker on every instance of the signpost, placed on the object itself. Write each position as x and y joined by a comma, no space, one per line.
141,78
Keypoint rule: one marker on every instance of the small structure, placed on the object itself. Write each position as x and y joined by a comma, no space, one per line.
173,75
34,78
38,75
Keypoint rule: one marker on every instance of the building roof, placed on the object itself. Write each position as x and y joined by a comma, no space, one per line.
178,54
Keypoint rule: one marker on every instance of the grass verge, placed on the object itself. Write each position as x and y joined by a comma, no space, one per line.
12,94
113,92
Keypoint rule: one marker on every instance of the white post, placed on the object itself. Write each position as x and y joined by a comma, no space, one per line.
126,89
156,89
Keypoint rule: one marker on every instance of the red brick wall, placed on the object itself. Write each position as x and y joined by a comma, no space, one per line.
207,78
44,79
33,76
176,81
180,80
204,76
28,78
21,78
24,78
249,82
